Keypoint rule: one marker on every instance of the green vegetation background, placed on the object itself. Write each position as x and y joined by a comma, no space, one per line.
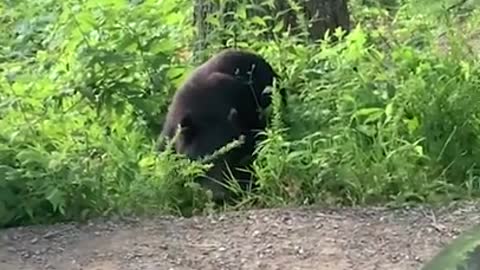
388,115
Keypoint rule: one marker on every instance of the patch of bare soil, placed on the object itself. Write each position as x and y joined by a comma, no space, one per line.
343,238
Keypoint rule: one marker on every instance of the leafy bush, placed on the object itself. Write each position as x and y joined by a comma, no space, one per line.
384,115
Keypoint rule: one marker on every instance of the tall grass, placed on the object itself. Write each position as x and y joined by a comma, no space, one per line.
385,115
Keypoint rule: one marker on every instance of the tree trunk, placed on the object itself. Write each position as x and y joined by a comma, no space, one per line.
319,16
201,9
222,10
327,15
314,17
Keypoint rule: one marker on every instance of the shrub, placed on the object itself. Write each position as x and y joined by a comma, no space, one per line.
384,115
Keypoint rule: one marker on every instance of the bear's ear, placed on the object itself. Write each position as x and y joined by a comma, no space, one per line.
187,126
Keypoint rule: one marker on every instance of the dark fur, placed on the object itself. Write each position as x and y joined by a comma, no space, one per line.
214,107
245,66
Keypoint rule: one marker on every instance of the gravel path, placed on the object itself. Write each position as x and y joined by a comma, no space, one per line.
358,238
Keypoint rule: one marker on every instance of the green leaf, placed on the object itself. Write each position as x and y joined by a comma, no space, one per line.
373,114
457,252
31,156
258,20
389,112
278,27
56,198
242,12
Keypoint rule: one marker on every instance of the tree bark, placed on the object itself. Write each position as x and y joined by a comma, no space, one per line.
200,11
327,15
319,16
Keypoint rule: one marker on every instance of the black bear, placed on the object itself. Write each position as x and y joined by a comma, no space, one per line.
217,105
245,66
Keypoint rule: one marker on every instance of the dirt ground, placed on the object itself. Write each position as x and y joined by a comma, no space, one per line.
342,238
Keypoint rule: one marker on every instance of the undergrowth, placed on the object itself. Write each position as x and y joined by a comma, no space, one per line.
387,114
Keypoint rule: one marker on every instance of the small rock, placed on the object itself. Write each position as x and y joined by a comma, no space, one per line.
34,240
6,238
299,250
261,265
287,220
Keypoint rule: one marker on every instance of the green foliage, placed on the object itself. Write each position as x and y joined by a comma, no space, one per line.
80,92
381,116
461,253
